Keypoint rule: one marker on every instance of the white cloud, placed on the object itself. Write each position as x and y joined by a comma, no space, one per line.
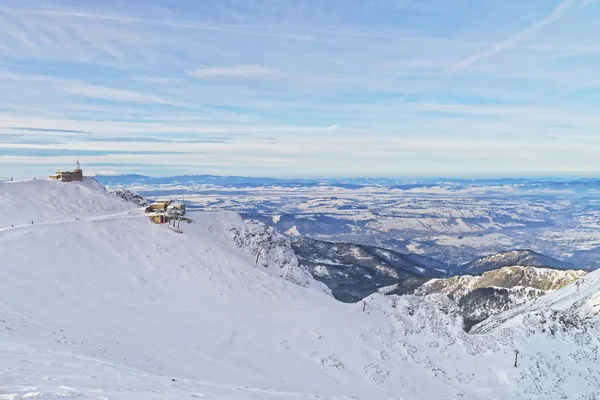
118,95
103,173
141,128
90,90
240,71
516,38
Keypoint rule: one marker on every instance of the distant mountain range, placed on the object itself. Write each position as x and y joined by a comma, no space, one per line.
129,180
133,179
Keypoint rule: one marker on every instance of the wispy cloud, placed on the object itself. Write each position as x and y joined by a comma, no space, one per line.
587,2
300,87
516,38
233,29
80,88
240,71
117,95
45,130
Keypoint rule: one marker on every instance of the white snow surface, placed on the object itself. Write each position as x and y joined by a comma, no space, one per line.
114,307
43,201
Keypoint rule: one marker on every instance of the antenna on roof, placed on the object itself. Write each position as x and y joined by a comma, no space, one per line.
77,166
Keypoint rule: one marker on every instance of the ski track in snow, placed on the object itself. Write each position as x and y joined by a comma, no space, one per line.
108,217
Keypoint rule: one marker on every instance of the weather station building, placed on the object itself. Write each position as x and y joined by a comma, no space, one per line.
69,176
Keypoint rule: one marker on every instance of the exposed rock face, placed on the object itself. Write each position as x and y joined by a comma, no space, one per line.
482,303
130,196
273,251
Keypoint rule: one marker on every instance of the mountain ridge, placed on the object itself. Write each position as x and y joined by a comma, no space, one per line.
355,271
341,265
509,258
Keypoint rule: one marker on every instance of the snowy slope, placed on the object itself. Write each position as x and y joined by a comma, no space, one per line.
559,335
113,307
43,201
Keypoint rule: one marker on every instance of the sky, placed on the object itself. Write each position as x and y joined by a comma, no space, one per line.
303,88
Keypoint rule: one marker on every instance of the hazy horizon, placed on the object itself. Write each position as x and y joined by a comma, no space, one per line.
542,177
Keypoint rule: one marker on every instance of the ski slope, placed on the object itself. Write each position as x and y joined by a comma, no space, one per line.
114,307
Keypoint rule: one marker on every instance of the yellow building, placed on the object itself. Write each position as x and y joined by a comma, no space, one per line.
160,205
158,218
69,176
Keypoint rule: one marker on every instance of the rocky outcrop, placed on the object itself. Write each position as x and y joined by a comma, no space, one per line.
274,252
499,290
129,196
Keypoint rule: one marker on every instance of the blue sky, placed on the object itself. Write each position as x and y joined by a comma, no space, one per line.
303,88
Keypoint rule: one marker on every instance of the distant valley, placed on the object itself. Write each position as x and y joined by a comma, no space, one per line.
354,272
453,220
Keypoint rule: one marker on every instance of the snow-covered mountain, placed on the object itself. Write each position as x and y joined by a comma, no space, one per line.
43,201
496,283
570,313
498,290
554,339
525,258
559,334
354,271
109,305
